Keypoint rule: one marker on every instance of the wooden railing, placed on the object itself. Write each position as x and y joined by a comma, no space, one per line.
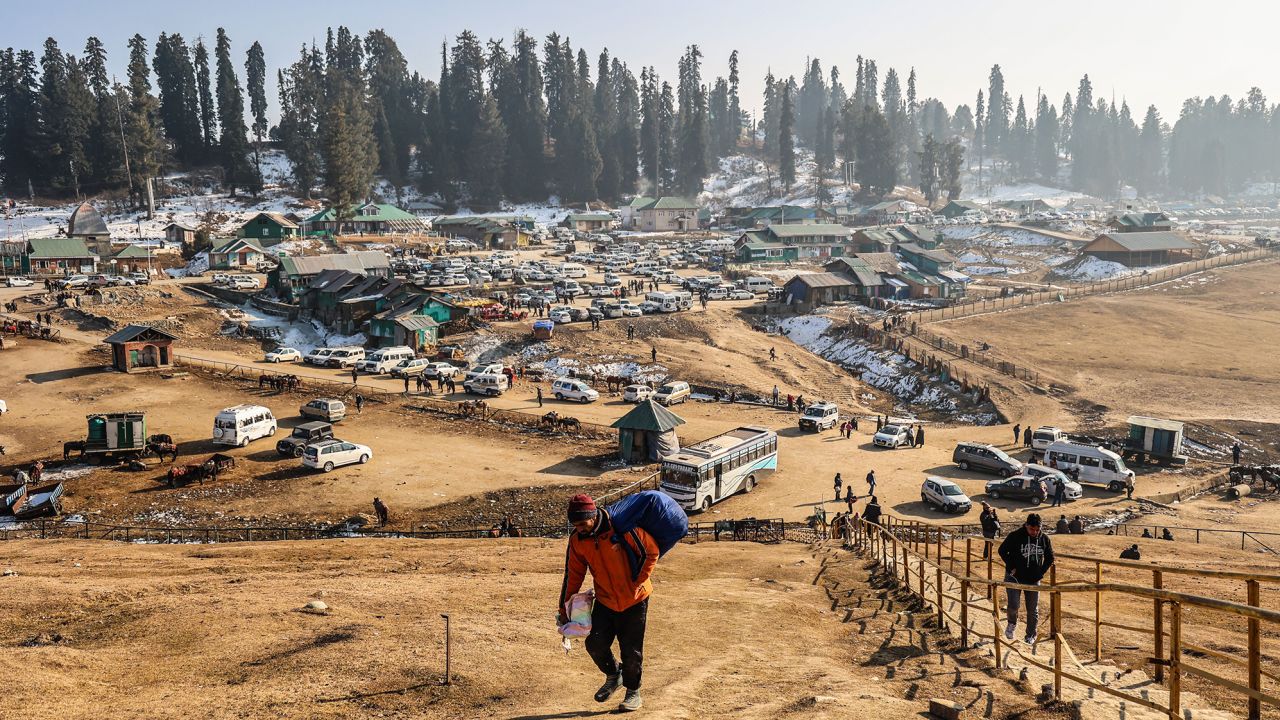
943,568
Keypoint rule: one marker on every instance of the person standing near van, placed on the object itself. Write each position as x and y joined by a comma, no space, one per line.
1026,436
1128,487
849,497
1027,555
990,526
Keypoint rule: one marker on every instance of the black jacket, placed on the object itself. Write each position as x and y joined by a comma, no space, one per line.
990,524
1026,559
871,513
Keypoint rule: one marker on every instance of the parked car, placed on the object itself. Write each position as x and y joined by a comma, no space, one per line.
384,359
99,281
1052,477
560,317
282,354
411,368
820,416
672,393
329,454
344,357
636,393
1018,487
717,293
986,458
244,282
221,278
1097,465
1045,436
945,495
892,436
19,281
629,310
741,295
440,369
570,389
74,281
241,424
492,385
140,278
119,281
486,369
302,436
327,409
317,356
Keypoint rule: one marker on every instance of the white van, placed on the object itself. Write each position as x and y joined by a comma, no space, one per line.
1098,466
572,270
241,424
383,359
684,299
672,393
644,265
758,285
493,385
318,356
570,389
666,302
345,357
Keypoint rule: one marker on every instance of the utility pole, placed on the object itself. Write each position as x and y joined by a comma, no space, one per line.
124,144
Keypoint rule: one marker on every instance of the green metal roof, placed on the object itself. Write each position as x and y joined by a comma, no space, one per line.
639,201
670,202
58,248
223,245
386,212
589,217
131,252
651,416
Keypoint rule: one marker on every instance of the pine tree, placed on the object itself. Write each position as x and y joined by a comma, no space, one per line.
895,114
877,167
466,99
179,111
953,161
204,98
66,112
735,104
931,160
580,160
605,114
692,132
390,83
106,153
1018,142
485,182
301,91
255,73
233,143
1046,140
824,154
19,159
1150,154
786,141
850,120
811,104
626,139
666,139
142,129
527,127
772,108
649,129
350,153
1083,165
997,111
980,134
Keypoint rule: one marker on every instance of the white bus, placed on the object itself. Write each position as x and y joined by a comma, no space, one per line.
712,470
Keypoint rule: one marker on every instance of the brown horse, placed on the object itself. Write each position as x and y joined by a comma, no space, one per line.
72,446
570,423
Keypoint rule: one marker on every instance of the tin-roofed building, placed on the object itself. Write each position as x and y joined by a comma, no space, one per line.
86,224
295,274
1141,249
58,256
268,228
140,347
1141,222
588,221
367,219
818,289
668,214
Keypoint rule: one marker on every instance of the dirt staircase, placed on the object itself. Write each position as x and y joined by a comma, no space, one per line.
857,585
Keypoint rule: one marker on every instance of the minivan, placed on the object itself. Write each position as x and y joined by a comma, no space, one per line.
1097,466
570,389
757,285
573,270
317,356
491,384
985,458
672,393
345,357
241,424
383,359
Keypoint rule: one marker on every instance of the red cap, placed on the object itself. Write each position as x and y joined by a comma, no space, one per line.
581,507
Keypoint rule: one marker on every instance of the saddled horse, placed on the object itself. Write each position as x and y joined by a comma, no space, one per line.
570,423
550,420
614,383
473,408
160,449
188,473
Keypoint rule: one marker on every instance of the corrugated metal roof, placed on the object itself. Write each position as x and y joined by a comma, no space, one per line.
1144,241
821,280
86,220
58,248
129,332
354,261
670,202
132,251
814,229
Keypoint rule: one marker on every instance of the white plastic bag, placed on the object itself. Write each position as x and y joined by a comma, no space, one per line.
578,610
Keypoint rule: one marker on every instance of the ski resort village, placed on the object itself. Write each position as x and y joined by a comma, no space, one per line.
348,375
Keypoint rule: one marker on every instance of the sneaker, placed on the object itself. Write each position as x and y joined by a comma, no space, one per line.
631,702
610,686
1030,639
1008,631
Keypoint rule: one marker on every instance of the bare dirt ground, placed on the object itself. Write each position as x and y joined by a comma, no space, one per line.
106,631
1192,349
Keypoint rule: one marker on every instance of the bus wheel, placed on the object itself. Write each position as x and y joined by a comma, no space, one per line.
749,484
706,503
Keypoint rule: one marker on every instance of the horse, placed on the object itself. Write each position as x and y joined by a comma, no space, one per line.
163,448
264,380
614,383
567,423
550,420
73,445
160,438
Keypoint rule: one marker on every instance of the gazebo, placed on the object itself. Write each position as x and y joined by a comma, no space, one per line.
140,347
648,433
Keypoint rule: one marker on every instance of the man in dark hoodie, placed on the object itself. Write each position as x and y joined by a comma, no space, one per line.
1027,556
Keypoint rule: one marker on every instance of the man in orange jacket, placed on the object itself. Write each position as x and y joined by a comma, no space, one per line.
620,569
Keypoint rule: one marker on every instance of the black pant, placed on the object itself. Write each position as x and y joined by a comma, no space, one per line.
628,627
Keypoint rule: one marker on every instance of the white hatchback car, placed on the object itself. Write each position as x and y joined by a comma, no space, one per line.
892,436
945,495
329,454
17,281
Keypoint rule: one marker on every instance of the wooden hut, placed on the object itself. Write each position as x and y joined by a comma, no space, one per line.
140,347
648,433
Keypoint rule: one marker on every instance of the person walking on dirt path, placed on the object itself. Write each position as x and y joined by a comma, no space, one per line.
849,497
879,424
853,425
653,354
631,332
1235,453
1027,555
839,482
1017,434
871,513
920,435
773,354
871,482
406,384
381,509
355,377
990,521
359,403
775,396
1026,436
539,397
622,595
1128,488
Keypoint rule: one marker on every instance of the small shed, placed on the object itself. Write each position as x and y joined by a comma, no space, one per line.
1159,438
141,347
648,433
819,288
178,232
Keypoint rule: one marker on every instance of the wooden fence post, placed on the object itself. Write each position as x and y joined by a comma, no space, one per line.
1255,653
964,614
1055,625
1097,613
1175,661
995,625
942,618
968,556
951,553
1157,581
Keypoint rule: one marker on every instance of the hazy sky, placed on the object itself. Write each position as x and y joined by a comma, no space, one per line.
1148,52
